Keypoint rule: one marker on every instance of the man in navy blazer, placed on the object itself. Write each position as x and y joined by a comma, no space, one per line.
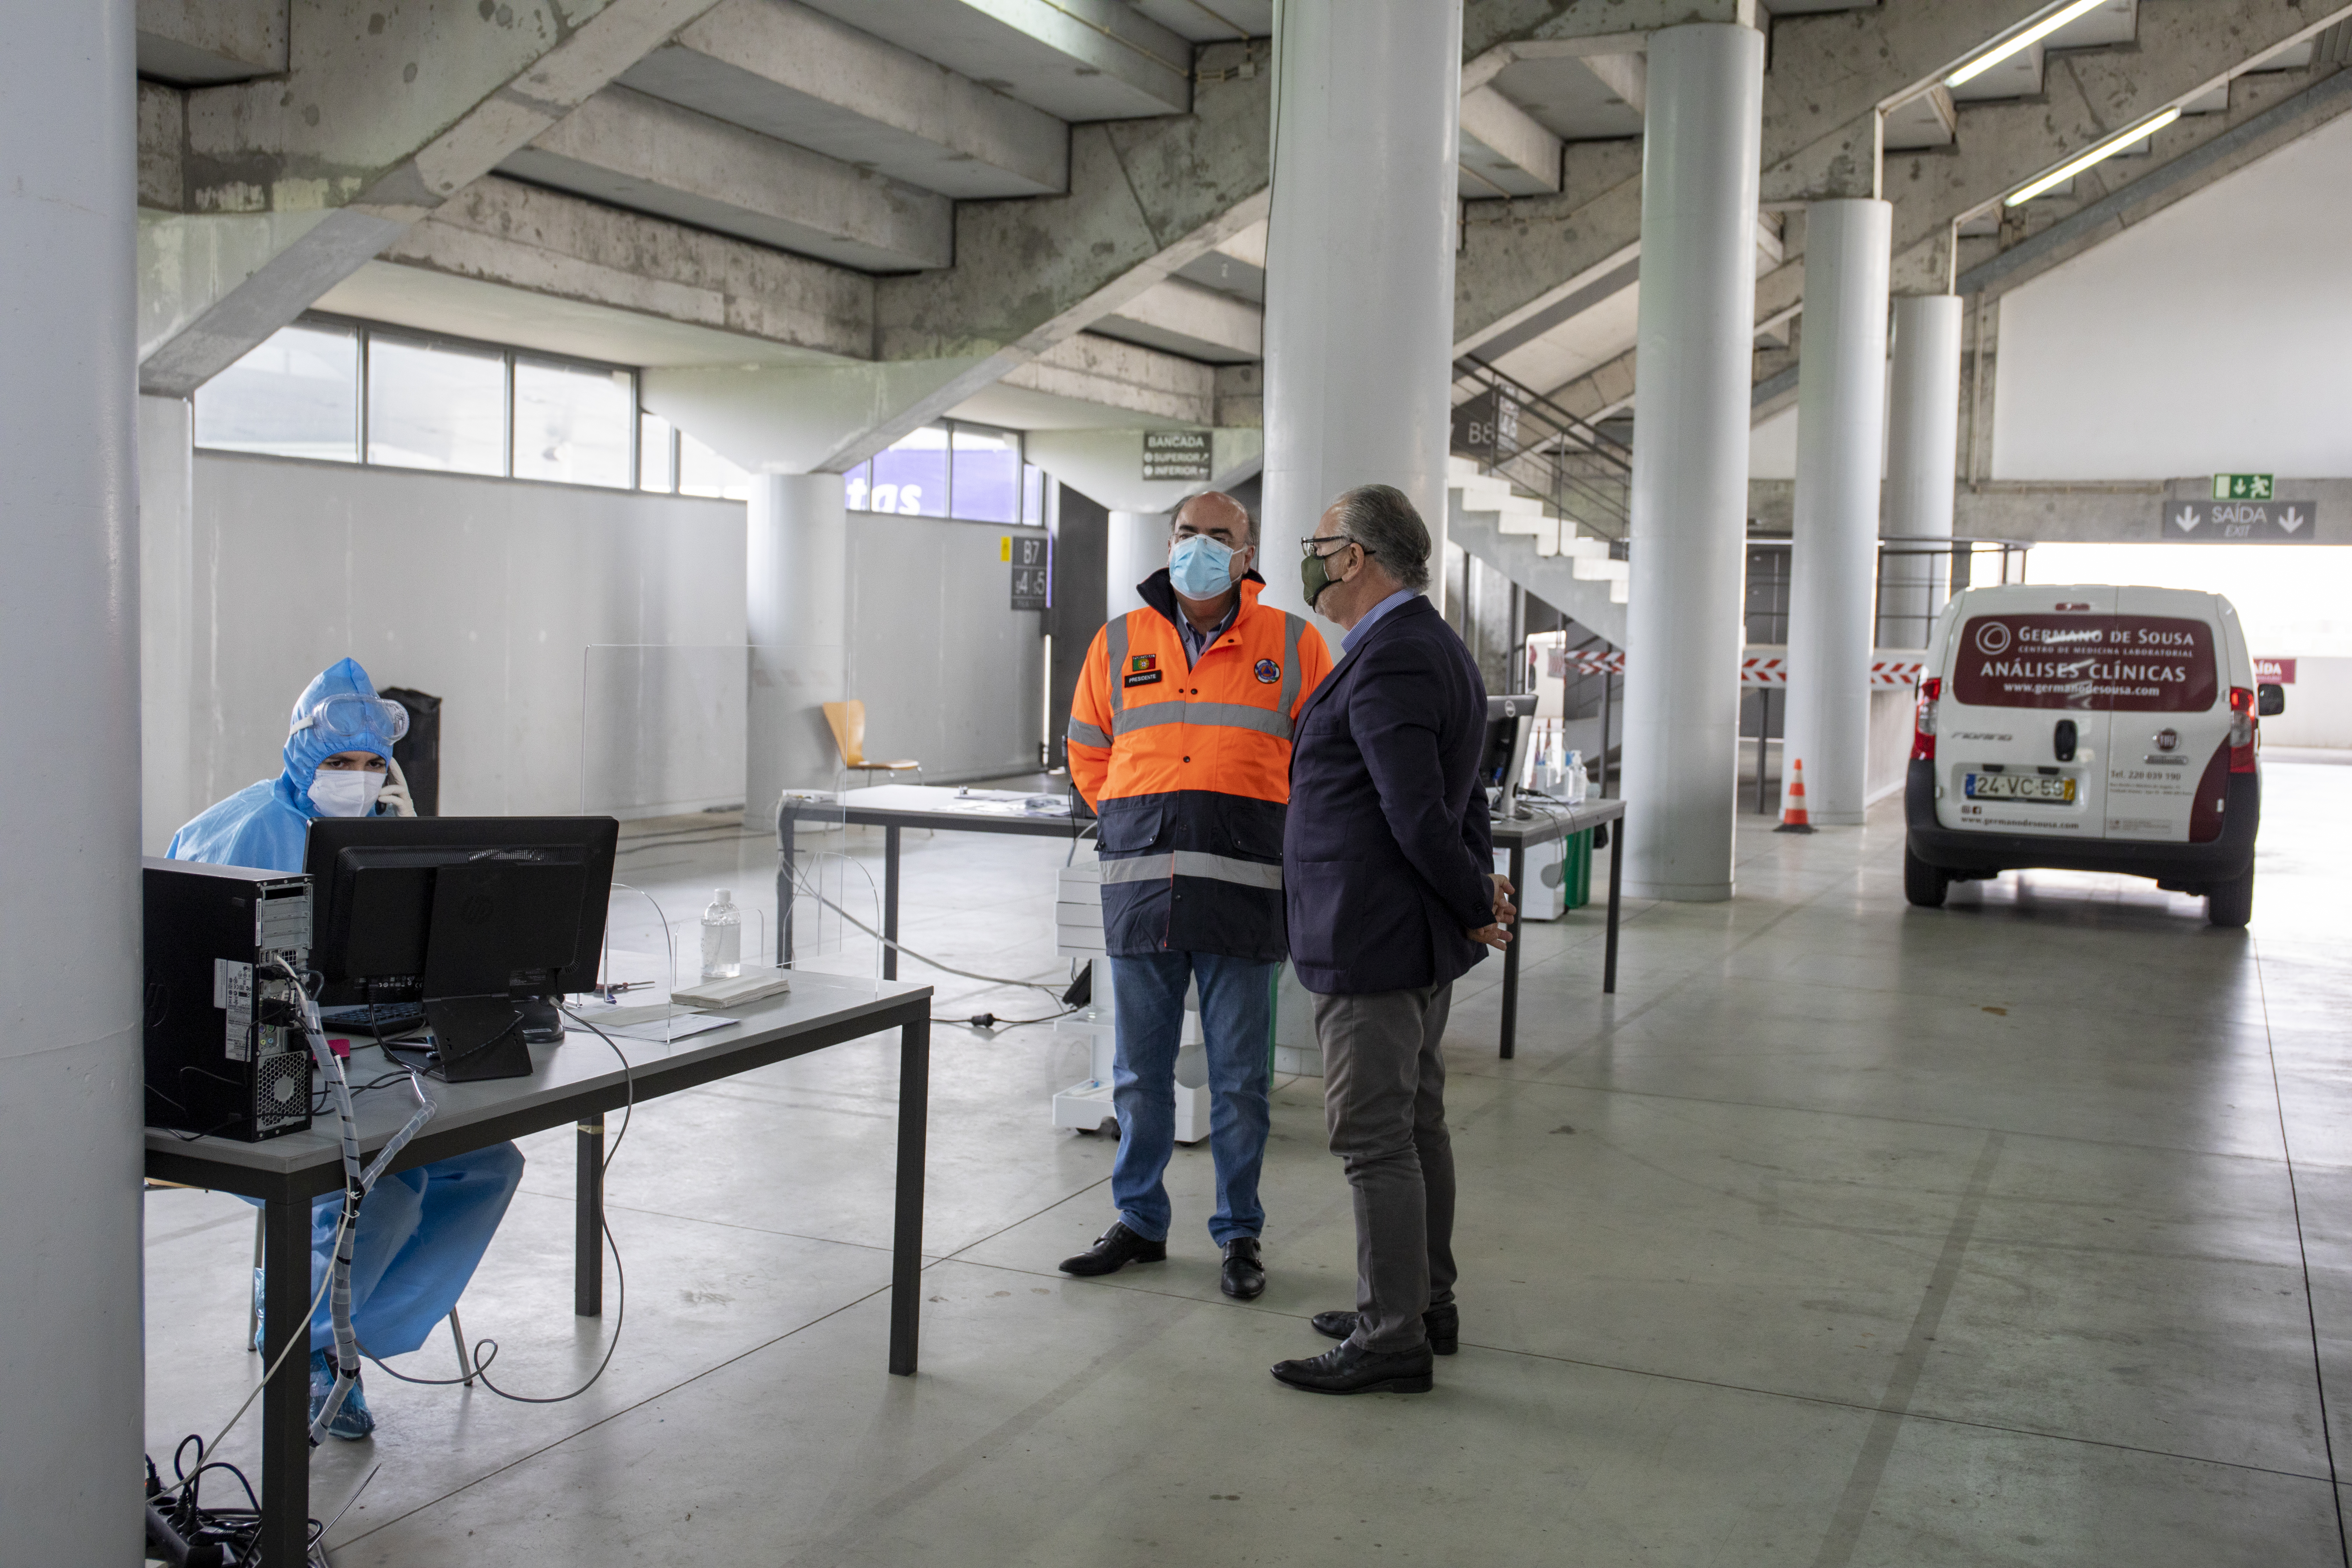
1387,863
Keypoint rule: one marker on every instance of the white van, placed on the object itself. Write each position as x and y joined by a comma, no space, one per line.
2088,727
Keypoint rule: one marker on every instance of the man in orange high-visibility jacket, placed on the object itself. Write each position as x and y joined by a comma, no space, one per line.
1179,738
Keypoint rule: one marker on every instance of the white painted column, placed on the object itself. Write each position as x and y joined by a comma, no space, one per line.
1833,556
71,1154
1700,153
796,615
1359,265
1922,441
1137,548
166,611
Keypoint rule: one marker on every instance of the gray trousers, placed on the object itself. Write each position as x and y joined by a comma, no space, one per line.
1384,1096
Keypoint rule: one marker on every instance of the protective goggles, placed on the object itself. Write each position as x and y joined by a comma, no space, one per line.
350,717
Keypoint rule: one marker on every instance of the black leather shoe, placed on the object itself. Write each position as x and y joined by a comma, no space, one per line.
1118,1247
1351,1369
1243,1275
1443,1324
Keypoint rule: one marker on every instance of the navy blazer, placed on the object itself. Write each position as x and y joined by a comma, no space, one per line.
1387,849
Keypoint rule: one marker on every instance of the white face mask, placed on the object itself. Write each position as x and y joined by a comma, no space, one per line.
345,791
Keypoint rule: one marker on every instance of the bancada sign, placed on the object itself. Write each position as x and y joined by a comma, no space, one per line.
2238,522
1176,455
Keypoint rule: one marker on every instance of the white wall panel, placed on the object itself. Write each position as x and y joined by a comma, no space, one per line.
950,675
2217,335
486,593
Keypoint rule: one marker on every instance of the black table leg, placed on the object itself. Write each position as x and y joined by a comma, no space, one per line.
1511,959
890,903
286,1403
588,1221
1616,881
907,1232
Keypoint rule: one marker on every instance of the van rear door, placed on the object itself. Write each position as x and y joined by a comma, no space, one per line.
2023,726
2167,774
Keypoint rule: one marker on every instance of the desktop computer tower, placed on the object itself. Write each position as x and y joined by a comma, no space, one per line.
225,1051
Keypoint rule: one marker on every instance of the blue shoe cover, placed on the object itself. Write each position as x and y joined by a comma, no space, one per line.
353,1421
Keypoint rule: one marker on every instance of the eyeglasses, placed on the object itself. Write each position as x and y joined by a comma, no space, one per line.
1306,546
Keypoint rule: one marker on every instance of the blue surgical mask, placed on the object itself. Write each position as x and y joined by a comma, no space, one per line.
1201,567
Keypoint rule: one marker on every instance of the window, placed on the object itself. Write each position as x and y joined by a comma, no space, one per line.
968,472
345,392
911,478
572,424
436,406
704,472
986,484
1032,495
656,454
297,396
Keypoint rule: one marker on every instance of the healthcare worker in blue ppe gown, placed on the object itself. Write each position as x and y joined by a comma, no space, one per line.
422,1231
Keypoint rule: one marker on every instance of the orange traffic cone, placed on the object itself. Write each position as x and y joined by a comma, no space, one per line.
1792,818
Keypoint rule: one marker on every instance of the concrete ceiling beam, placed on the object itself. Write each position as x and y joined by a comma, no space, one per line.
293,183
2266,114
197,43
1075,60
646,155
1183,318
1828,72
1104,371
2185,46
1506,147
520,237
802,76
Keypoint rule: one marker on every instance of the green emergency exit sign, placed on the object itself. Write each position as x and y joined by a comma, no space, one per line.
2241,486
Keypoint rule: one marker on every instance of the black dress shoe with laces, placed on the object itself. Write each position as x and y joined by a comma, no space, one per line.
1118,1247
1350,1368
1443,1324
1243,1275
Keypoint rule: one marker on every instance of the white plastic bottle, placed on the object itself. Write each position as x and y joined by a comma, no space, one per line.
722,938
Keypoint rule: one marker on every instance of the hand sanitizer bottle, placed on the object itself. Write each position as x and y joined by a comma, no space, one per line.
722,938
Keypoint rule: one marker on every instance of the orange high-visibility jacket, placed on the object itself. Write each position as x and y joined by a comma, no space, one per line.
1189,769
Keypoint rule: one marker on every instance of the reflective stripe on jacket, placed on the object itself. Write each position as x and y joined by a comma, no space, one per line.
1189,769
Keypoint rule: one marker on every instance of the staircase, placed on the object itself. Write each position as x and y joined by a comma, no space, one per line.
1549,556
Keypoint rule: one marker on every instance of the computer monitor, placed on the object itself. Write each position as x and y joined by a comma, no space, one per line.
1508,721
464,918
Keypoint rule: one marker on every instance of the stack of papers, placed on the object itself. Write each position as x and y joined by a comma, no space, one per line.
751,986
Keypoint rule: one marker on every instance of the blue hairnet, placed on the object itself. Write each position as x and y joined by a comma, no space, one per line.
305,749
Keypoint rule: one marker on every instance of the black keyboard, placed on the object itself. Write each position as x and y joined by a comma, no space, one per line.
382,1021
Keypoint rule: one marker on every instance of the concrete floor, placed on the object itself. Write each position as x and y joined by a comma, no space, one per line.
2019,1232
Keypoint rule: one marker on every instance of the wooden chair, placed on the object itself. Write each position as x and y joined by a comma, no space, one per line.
848,721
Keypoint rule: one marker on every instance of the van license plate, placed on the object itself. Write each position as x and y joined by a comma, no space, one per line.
2020,786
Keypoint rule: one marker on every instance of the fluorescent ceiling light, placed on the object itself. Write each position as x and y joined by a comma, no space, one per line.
2104,151
2017,41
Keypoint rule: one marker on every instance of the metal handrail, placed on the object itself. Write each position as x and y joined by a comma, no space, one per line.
1581,471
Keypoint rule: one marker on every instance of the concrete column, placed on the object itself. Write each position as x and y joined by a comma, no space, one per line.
166,609
1138,547
1700,154
1841,434
71,1154
796,613
1359,265
1923,435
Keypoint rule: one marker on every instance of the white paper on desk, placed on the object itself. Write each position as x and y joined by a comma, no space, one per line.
659,1031
628,1017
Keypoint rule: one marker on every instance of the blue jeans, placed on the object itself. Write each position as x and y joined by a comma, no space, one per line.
1238,1022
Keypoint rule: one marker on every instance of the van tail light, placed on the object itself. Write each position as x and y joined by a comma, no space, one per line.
1923,721
2243,728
